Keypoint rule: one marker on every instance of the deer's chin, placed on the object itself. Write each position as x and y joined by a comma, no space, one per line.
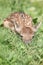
26,41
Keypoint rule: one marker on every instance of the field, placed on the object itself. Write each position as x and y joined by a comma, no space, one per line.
13,51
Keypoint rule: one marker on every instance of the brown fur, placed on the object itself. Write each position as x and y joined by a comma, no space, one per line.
22,24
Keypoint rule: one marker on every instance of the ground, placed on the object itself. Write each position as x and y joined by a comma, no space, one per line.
13,51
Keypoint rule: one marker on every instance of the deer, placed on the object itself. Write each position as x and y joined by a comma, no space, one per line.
21,23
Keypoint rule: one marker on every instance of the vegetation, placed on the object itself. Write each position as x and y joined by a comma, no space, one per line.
12,49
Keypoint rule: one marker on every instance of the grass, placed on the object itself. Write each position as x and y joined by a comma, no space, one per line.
12,49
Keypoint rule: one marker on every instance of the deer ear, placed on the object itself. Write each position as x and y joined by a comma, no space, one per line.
36,27
31,29
34,30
